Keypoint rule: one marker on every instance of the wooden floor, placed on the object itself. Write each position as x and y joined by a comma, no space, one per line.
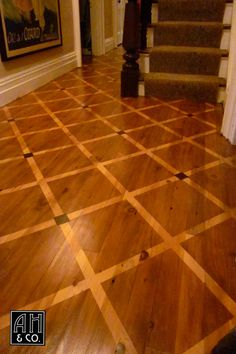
117,216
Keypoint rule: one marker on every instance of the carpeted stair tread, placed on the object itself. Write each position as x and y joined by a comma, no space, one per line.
191,10
188,33
185,60
202,88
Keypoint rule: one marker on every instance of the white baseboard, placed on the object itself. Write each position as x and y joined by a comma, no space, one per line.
221,95
109,44
144,63
229,122
25,81
141,88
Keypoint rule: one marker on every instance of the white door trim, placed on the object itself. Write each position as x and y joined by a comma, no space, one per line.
97,26
116,26
77,36
115,21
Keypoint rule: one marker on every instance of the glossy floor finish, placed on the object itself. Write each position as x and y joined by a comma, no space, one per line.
117,218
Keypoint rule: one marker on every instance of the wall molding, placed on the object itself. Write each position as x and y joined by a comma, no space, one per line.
25,81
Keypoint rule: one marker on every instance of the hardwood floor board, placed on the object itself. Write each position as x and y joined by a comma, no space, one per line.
217,143
161,113
189,106
233,160
10,148
90,130
110,148
219,253
51,86
75,116
3,116
213,116
117,216
57,162
164,327
105,240
70,82
29,230
153,136
109,109
178,199
53,95
70,325
93,99
129,120
140,102
22,209
15,173
46,140
220,181
82,90
150,172
188,126
30,125
35,274
62,105
77,192
26,111
5,130
185,156
25,100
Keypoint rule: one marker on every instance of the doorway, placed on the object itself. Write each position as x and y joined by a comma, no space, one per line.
85,28
107,19
120,13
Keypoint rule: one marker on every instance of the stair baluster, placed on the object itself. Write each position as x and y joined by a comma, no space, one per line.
131,43
145,19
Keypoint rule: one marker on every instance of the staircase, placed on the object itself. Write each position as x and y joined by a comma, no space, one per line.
188,58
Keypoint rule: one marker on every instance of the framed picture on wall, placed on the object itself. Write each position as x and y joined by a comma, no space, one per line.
27,26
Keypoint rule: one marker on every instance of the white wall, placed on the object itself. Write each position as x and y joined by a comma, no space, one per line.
22,75
229,121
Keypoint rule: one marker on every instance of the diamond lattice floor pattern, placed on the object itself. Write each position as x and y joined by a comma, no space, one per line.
117,217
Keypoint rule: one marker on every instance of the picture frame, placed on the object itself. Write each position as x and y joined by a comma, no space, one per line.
28,26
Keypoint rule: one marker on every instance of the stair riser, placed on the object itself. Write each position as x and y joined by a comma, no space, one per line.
191,10
184,63
144,63
224,44
227,20
225,40
201,92
195,36
220,97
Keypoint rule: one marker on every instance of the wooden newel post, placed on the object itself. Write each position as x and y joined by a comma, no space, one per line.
131,43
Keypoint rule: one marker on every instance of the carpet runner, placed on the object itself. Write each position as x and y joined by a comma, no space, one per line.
185,60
